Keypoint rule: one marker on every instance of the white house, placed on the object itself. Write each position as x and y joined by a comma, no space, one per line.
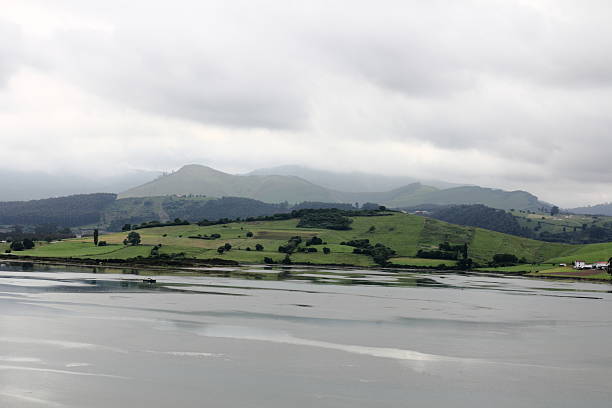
579,264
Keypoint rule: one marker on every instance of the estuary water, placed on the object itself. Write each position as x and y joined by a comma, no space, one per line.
300,337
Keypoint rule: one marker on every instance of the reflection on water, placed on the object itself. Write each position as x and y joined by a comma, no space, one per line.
266,336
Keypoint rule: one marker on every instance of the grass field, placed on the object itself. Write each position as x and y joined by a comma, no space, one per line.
404,233
587,253
522,268
552,270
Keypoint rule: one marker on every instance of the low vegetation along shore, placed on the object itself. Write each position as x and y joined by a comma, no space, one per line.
328,237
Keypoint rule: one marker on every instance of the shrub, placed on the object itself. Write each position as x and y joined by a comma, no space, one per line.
314,241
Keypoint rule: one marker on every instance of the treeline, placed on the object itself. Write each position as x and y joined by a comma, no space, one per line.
225,207
380,253
69,211
47,232
481,216
222,210
588,234
308,218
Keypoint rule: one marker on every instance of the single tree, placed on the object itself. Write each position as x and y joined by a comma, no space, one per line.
95,237
326,250
554,210
259,247
133,239
28,243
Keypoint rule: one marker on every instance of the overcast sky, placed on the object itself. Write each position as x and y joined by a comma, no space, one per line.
510,94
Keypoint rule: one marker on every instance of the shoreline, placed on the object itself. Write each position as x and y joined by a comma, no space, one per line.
192,264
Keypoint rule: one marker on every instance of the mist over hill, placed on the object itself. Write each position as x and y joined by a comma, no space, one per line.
201,180
356,182
18,186
599,209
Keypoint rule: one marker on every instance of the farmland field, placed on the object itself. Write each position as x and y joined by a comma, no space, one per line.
405,234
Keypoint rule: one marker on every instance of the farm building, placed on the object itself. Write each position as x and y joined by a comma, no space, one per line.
600,265
580,265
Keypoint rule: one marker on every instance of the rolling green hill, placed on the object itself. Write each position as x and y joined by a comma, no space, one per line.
404,233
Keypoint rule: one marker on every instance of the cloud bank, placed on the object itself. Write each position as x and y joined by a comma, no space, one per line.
512,94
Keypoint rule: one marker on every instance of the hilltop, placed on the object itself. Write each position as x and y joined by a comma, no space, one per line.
202,180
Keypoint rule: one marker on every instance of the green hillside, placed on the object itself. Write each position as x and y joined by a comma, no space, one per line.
404,233
202,180
495,198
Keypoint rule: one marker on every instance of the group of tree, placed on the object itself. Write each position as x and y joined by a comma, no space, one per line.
69,211
328,219
445,251
132,239
156,224
291,245
205,236
22,245
224,248
45,232
379,252
225,207
506,260
481,216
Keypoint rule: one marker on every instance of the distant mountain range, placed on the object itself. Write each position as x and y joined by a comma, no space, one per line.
356,182
17,186
274,188
599,209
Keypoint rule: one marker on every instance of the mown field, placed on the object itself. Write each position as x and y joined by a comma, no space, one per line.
404,233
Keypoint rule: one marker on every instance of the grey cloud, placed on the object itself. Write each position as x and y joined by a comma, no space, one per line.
10,50
524,84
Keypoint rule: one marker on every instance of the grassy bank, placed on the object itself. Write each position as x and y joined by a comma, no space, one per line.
404,233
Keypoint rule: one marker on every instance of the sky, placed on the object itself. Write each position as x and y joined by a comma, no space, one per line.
509,94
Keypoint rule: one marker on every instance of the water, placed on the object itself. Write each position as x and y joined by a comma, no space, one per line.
300,337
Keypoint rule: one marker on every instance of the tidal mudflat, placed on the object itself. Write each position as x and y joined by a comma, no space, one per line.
300,337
